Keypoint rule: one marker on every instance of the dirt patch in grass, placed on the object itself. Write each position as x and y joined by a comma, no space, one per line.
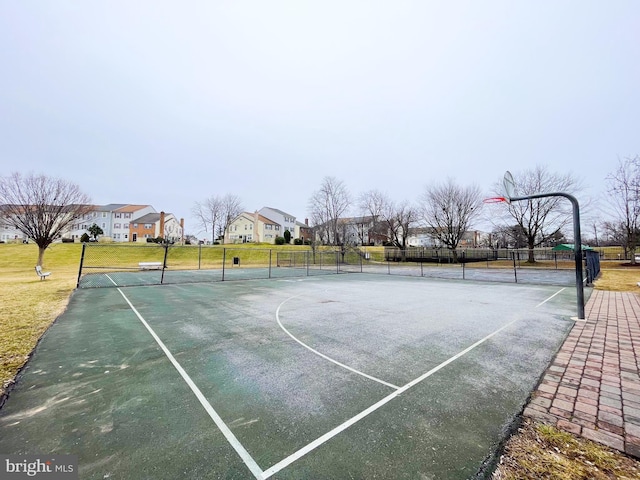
540,451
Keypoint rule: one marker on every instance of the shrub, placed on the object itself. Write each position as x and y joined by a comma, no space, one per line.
297,241
287,236
84,238
67,240
279,240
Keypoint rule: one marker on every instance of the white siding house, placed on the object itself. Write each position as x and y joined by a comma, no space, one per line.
285,220
252,228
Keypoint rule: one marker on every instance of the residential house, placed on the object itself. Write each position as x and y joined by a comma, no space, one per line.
8,231
352,231
113,219
252,228
285,220
303,231
422,237
123,219
154,225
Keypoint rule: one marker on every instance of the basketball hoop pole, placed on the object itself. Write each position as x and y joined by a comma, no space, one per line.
577,242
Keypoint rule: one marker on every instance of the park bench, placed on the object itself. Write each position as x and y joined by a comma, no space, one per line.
41,274
150,265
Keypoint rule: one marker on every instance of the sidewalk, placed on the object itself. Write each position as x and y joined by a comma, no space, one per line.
592,387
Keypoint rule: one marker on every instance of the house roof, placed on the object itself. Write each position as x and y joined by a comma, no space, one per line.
153,217
261,217
131,208
148,218
365,219
280,212
109,208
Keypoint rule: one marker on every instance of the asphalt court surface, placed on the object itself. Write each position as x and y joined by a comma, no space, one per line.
343,376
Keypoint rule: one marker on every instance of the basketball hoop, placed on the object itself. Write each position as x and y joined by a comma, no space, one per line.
495,200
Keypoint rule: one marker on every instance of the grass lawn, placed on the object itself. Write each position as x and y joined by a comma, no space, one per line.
28,306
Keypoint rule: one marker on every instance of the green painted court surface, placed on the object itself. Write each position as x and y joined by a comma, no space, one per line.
329,377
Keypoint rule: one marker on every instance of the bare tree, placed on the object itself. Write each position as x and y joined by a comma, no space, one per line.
448,211
41,207
207,214
391,221
623,186
216,213
399,219
374,203
326,206
541,218
231,207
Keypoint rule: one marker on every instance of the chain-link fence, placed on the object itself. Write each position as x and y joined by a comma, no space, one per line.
108,265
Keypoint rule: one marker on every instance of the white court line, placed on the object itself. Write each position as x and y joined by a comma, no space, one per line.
370,377
327,436
231,438
542,303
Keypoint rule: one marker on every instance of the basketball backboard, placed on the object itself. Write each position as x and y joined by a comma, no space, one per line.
509,185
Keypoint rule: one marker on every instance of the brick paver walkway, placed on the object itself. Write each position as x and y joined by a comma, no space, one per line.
592,387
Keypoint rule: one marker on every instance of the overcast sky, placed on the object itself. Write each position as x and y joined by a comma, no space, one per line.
167,103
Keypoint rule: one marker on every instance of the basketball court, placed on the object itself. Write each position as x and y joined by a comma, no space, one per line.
324,377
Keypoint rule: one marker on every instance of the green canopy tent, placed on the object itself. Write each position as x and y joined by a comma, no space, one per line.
563,247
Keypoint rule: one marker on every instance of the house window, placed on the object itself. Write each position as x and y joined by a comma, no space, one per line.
116,225
148,226
104,214
127,215
118,215
126,225
135,225
126,236
277,227
104,225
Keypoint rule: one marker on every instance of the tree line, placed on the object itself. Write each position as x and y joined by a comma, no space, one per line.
43,208
447,210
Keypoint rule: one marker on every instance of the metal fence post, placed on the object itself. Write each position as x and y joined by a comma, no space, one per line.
270,252
84,245
224,261
164,262
463,264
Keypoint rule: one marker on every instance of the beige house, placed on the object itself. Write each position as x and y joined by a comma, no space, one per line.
252,228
